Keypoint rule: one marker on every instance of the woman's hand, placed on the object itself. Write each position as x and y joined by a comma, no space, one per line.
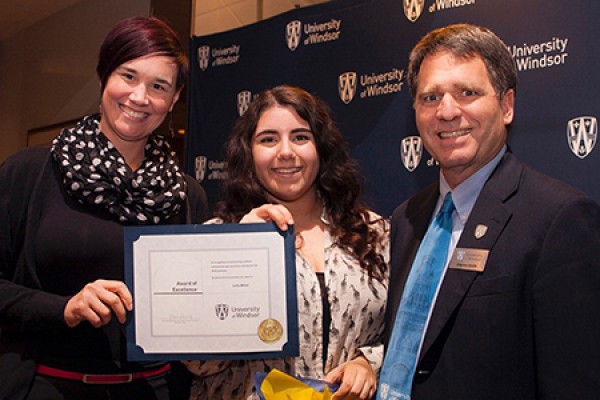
357,379
270,212
96,303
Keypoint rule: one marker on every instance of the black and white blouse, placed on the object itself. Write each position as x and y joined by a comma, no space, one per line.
357,306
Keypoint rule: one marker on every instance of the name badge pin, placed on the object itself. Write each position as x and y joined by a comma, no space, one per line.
469,259
480,231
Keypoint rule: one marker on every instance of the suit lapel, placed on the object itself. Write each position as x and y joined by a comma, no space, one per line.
489,210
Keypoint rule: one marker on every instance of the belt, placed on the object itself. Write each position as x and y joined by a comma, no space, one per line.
101,378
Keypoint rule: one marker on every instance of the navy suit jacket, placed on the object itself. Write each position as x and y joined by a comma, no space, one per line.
528,326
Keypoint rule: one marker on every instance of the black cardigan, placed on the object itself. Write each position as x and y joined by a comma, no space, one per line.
36,216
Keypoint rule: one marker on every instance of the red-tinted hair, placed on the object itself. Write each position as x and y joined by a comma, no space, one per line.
136,37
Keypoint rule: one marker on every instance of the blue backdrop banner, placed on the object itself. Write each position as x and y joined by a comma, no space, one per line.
354,53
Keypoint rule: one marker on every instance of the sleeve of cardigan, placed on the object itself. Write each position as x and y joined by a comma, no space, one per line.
198,202
16,186
20,301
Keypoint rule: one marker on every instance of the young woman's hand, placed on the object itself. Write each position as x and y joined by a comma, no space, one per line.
356,378
270,212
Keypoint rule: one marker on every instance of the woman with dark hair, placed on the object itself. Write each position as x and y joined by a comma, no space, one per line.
63,302
288,163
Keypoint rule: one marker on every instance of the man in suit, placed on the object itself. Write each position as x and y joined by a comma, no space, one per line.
516,312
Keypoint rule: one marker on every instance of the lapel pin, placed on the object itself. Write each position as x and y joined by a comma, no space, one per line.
480,231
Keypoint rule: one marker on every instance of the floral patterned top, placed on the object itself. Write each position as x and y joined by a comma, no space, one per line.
357,312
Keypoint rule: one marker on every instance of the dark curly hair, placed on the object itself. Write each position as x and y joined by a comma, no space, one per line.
337,181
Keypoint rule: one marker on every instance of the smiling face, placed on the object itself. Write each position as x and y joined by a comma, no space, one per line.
461,120
136,99
285,155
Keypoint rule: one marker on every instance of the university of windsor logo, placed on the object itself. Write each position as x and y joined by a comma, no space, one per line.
413,9
203,57
411,151
347,86
243,101
221,311
292,34
200,163
582,133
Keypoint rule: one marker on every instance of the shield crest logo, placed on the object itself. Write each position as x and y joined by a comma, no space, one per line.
413,9
480,231
203,57
292,34
347,86
243,101
221,311
582,133
200,167
411,151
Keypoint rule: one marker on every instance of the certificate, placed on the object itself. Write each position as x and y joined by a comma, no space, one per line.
221,291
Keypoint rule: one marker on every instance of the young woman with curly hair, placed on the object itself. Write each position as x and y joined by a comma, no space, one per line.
289,163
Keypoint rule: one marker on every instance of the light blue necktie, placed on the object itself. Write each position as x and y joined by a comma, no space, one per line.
408,332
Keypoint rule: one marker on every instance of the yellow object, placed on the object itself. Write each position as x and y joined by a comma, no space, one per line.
280,386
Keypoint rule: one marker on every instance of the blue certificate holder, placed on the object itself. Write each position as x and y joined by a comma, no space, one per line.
211,292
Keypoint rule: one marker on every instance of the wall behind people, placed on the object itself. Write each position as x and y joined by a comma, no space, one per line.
47,72
353,54
213,16
47,77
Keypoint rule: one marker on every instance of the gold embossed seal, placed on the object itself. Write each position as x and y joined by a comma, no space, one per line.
270,330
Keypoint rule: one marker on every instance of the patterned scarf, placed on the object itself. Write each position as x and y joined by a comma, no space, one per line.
95,173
